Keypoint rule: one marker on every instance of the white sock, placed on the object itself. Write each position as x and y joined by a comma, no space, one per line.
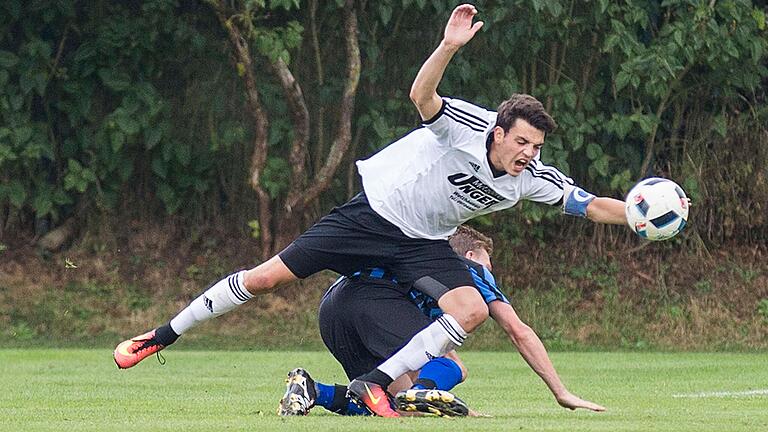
436,340
219,299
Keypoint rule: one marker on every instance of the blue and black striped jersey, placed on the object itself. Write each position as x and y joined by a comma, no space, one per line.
485,284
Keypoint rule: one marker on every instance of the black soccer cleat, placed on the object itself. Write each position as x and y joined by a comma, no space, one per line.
300,394
439,403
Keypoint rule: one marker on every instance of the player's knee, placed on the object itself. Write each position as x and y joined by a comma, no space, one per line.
267,276
466,306
475,315
258,283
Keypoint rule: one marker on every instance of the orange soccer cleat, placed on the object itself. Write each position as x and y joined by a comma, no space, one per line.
372,396
136,349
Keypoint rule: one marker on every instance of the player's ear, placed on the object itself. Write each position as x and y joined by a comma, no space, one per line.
498,133
469,255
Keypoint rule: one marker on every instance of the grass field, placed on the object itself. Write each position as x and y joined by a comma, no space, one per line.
82,390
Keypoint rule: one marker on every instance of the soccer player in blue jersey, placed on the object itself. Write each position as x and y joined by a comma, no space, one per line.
464,162
365,318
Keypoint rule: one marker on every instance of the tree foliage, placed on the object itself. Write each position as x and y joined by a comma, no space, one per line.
145,109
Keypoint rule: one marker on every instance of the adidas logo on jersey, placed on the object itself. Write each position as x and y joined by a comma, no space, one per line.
208,303
475,166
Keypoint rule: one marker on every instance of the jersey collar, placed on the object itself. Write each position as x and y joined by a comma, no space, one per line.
488,141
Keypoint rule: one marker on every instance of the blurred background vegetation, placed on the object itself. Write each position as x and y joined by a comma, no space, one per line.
148,147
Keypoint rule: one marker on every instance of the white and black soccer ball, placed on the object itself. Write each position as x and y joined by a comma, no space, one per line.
657,209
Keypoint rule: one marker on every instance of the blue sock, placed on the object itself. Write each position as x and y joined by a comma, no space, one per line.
325,395
440,373
334,399
353,409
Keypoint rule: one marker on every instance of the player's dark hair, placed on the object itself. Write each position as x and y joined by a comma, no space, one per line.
526,107
467,239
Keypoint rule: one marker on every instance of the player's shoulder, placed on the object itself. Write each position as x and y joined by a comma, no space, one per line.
474,267
480,272
538,171
469,114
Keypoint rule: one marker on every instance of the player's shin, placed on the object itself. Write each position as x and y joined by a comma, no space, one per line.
219,299
436,340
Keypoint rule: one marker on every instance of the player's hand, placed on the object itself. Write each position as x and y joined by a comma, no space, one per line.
573,402
473,413
460,28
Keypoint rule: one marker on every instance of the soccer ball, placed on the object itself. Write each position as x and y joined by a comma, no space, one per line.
657,209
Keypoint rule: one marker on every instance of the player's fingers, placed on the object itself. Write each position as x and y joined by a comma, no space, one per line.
597,408
460,10
477,26
464,12
456,14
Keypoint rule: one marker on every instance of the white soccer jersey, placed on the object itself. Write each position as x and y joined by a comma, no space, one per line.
438,176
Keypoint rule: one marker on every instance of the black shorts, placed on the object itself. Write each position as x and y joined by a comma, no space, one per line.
354,237
363,321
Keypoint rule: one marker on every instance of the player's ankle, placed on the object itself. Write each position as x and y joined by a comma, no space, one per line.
165,335
377,377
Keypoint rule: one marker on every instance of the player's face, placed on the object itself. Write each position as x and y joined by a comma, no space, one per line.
514,150
480,256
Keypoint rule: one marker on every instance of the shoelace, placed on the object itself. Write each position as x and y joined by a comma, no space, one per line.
149,343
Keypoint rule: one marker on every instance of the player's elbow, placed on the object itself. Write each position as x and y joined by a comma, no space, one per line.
416,95
424,100
594,212
418,99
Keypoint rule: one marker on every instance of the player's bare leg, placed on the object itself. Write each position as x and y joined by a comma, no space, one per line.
225,295
466,305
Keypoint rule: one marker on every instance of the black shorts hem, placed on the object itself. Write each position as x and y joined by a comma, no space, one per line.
299,262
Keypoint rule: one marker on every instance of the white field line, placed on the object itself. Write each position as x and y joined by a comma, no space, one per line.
723,394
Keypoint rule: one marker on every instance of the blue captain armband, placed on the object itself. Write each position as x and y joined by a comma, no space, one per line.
576,201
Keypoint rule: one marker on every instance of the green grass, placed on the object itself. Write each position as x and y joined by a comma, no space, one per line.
82,390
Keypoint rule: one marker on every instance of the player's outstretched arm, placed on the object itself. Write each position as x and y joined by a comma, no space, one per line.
532,349
578,202
607,210
458,32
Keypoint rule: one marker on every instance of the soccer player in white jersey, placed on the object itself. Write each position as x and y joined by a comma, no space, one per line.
466,161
